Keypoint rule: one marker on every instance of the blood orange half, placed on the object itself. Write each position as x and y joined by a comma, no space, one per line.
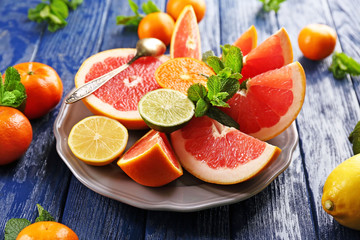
185,40
218,154
274,52
119,97
151,161
270,102
247,41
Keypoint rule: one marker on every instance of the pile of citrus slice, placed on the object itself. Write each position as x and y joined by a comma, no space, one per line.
270,100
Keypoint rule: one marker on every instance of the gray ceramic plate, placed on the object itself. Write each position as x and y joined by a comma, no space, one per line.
185,194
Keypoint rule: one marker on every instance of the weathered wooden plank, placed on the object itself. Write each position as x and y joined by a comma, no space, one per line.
329,113
283,205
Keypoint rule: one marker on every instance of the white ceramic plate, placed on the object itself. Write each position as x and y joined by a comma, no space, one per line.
185,194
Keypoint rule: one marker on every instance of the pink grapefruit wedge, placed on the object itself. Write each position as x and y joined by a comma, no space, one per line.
270,102
151,161
185,40
274,52
247,41
119,97
218,154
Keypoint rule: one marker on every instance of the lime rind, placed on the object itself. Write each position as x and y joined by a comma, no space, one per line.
166,110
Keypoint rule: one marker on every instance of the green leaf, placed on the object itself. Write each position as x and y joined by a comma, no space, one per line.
12,91
215,63
201,107
73,4
221,117
59,8
354,138
225,49
43,214
233,59
196,91
134,7
14,226
34,13
149,7
342,65
128,21
271,5
206,55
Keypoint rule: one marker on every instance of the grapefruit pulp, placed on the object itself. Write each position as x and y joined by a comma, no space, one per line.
151,161
119,97
274,52
218,154
185,40
247,41
270,102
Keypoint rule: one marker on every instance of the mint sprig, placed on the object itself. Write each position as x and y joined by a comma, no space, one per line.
342,64
14,225
354,138
54,12
12,91
271,5
220,87
147,8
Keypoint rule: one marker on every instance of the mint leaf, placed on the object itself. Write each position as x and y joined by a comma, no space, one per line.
206,55
221,117
342,65
43,214
14,226
134,7
128,21
149,7
59,8
354,138
73,4
215,63
12,91
201,107
271,5
233,59
196,91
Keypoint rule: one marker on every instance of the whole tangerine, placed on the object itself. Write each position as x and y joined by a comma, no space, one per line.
47,230
158,25
43,88
317,41
174,8
16,134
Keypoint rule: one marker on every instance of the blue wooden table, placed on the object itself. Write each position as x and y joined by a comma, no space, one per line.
289,208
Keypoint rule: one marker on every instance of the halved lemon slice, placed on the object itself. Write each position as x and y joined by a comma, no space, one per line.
98,140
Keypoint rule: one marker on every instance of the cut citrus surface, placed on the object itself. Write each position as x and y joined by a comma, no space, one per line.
218,154
247,41
270,102
98,140
151,161
180,73
185,40
274,52
120,96
166,110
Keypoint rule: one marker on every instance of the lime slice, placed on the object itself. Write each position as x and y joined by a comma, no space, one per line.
98,140
166,110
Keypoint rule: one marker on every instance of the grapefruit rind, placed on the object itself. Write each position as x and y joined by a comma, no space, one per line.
130,119
223,176
152,167
192,42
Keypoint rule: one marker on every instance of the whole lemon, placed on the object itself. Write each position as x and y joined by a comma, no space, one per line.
340,196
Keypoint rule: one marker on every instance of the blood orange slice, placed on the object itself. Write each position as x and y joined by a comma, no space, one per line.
151,161
119,97
270,102
218,154
274,52
247,41
185,40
